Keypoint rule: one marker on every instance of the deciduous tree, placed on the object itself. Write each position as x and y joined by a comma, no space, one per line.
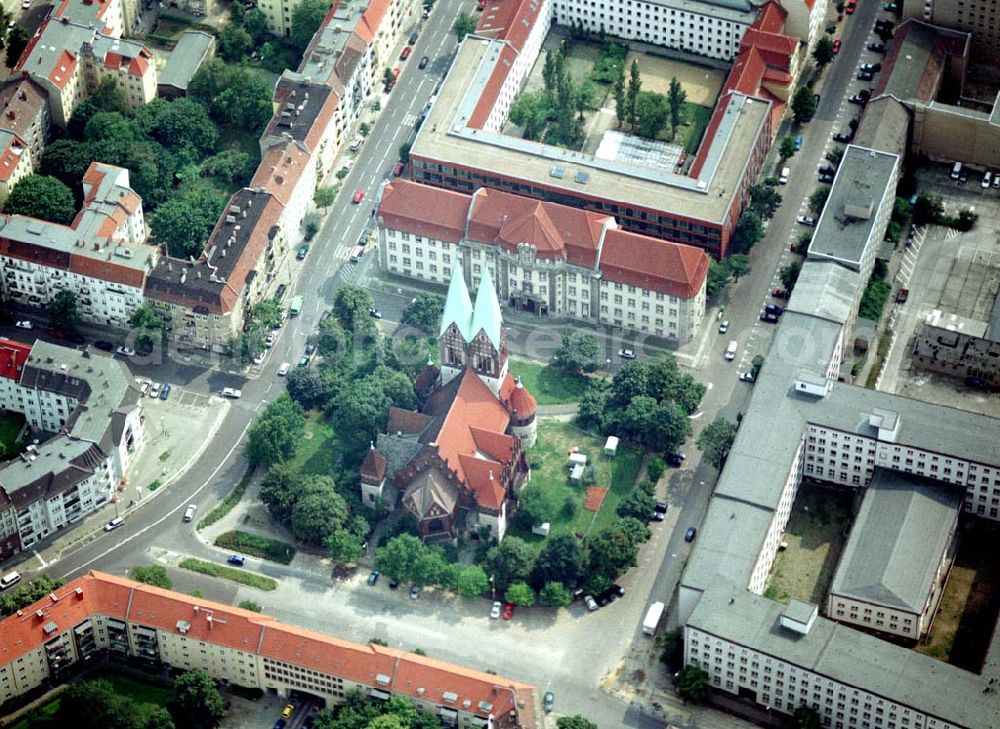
306,19
555,595
473,581
561,560
823,51
520,594
63,311
463,25
716,440
196,702
155,575
803,105
276,434
42,197
424,313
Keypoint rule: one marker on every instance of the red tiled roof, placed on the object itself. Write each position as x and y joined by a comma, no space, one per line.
522,403
771,17
372,469
106,270
13,355
10,159
424,210
388,669
280,169
491,89
482,478
63,69
670,268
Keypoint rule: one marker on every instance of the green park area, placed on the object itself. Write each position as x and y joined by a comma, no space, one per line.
564,501
549,384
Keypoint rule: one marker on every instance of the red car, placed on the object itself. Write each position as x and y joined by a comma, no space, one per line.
851,6
359,196
836,47
508,611
779,294
398,169
406,53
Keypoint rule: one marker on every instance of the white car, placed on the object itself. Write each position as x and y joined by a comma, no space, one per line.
114,524
143,387
232,393
25,4
283,370
806,220
125,351
724,326
269,342
260,357
189,512
626,353
24,324
154,390
495,611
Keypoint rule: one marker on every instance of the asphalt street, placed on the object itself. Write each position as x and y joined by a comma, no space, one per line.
572,653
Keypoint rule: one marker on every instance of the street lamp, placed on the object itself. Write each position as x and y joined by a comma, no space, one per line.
493,589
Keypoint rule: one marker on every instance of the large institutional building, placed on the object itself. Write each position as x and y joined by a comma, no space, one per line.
545,258
101,614
457,464
86,401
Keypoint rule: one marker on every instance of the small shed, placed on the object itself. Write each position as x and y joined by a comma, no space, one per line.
541,530
577,459
576,474
611,446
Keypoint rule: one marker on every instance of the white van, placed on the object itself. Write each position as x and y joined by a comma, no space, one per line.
731,350
11,578
785,173
956,171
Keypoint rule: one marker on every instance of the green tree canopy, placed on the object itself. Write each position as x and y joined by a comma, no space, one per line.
424,313
463,25
575,722
555,594
235,43
306,19
185,221
561,560
196,702
510,561
319,512
577,353
63,311
155,575
692,684
749,229
42,197
803,105
676,98
13,600
787,148
716,440
473,581
276,433
520,594
652,112
822,52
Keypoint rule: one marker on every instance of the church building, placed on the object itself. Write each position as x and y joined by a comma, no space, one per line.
457,463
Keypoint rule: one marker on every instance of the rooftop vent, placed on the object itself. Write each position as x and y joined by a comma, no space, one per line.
581,177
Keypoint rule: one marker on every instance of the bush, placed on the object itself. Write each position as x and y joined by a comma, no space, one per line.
154,575
229,573
655,469
263,547
228,503
251,606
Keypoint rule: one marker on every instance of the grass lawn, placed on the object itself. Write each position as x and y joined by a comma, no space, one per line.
317,453
970,603
10,426
146,695
256,546
229,573
697,122
550,452
815,536
549,385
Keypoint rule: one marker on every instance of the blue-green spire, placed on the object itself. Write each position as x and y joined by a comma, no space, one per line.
458,305
486,315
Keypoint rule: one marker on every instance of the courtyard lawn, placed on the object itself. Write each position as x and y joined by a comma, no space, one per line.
10,426
816,536
549,472
549,385
318,451
697,122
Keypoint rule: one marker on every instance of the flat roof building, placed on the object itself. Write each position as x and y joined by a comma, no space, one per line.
192,50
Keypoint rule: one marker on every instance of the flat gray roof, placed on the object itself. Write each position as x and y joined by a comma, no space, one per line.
186,58
825,290
737,11
849,656
844,229
445,136
898,540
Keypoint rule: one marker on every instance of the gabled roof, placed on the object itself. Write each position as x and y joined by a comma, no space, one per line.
486,316
650,263
431,494
424,210
407,422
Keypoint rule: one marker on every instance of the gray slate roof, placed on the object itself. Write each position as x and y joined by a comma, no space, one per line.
897,541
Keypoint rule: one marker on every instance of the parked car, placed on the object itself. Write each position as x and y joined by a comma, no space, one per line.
724,326
626,353
806,220
774,309
407,50
373,577
842,138
746,377
414,592
858,99
508,611
125,351
374,313
591,603
661,506
816,99
549,701
851,6
424,60
232,393
876,47
287,712
165,391
114,524
769,318
189,512
302,252
690,534
870,67
358,197
779,293
259,359
657,516
283,369
865,76
413,38
798,142
237,559
393,583
836,47
397,170
987,179
495,610
825,176
310,349
902,295
304,360
143,386
675,459
279,292
24,324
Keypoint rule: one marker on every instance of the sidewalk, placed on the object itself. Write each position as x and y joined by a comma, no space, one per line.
176,436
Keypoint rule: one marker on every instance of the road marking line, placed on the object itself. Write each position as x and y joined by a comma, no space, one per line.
44,563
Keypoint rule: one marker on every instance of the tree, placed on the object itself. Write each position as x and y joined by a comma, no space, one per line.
42,197
154,575
320,512
311,387
464,24
652,113
555,595
618,92
574,722
181,124
806,717
787,148
351,305
520,594
398,557
632,94
755,364
676,97
591,410
234,94
196,702
611,552
63,312
561,560
148,326
790,274
473,582
692,684
928,208
716,440
803,105
324,197
738,265
17,41
157,717
255,24
717,279
577,353
510,562
638,504
765,200
424,312
818,198
94,704
306,19
530,111
823,51
277,432
234,43
184,222
749,229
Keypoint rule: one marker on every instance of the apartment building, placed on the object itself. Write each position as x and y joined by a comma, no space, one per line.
703,27
101,255
15,162
547,259
87,400
101,614
24,112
